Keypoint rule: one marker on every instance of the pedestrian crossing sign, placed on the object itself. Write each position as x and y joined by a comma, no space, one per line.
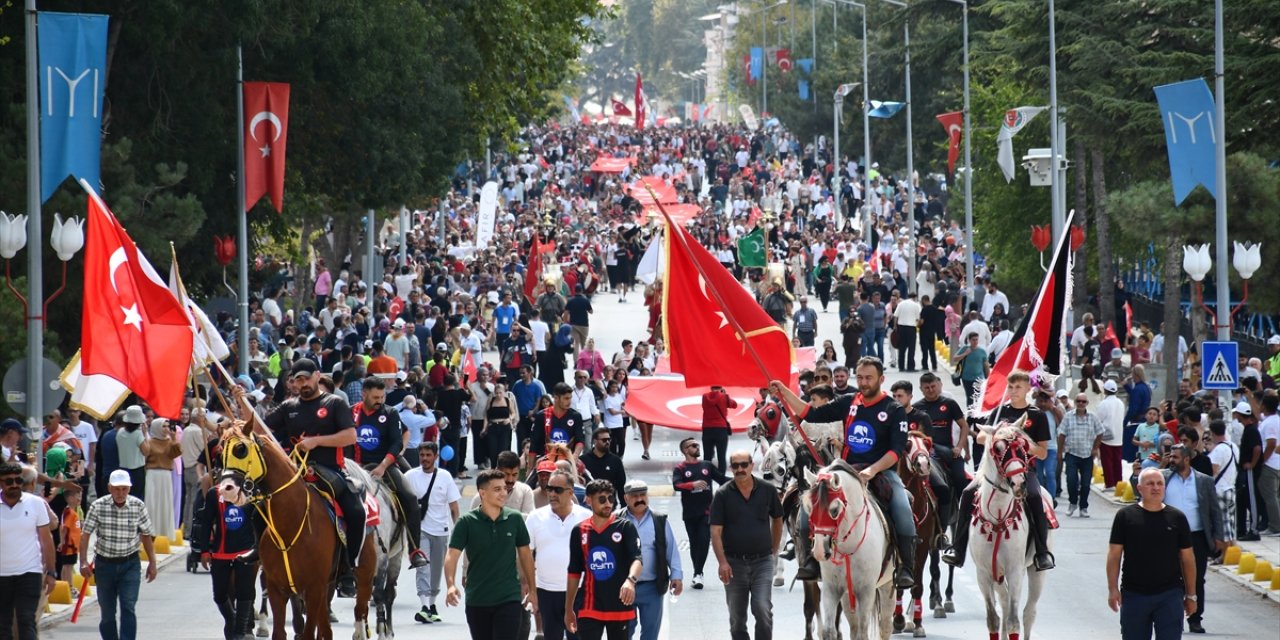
1221,368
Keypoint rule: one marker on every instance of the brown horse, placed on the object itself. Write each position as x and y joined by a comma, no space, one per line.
300,546
913,468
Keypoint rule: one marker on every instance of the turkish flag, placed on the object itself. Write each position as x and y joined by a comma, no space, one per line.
642,103
133,329
954,124
715,331
784,60
651,190
266,130
619,108
1039,345
667,402
533,268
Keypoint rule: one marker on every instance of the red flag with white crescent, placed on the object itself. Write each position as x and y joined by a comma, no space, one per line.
954,124
667,402
619,107
266,130
133,329
642,103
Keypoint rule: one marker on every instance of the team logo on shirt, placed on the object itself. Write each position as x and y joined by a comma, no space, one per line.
688,474
233,518
322,412
882,416
705,472
382,419
860,437
601,563
617,536
559,436
368,438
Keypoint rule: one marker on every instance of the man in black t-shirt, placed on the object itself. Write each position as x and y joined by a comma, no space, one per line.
1150,548
1033,422
920,422
558,424
321,424
693,478
604,559
449,401
943,413
379,443
579,309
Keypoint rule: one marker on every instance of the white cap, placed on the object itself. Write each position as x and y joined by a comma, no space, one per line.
1110,386
1062,393
1243,408
119,478
399,323
1273,340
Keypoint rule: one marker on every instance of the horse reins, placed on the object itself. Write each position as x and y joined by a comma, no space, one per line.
1001,528
838,556
272,532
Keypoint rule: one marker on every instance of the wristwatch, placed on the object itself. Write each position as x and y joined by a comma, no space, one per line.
632,579
52,574
1190,597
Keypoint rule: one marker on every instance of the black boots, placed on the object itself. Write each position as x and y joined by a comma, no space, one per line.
244,619
960,544
228,619
1040,534
902,579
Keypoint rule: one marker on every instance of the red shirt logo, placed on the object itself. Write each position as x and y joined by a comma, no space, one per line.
322,412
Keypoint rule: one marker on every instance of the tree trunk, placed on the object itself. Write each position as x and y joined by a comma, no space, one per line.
1172,322
1080,294
301,290
1102,224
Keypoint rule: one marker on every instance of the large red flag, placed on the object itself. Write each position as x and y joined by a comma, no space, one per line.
1038,346
642,103
619,107
266,130
715,331
954,124
533,268
133,329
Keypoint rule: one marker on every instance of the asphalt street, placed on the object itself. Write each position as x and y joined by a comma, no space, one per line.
178,605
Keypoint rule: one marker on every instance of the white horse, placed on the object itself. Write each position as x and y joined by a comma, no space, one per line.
851,539
1000,534
389,541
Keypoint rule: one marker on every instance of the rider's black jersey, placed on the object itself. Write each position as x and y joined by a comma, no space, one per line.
942,412
871,430
378,435
323,415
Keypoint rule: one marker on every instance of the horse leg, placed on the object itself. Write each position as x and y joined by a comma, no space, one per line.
299,619
278,613
917,591
261,631
812,598
1012,625
365,573
1035,583
879,618
948,605
899,621
778,580
317,625
832,597
988,588
935,593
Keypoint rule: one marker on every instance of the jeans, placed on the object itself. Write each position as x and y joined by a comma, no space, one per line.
752,583
495,622
648,611
1047,473
19,597
551,611
904,523
1079,476
428,578
698,529
1140,613
715,442
879,343
806,336
190,491
118,584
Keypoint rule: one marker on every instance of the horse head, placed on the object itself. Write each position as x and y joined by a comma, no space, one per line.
1008,457
244,464
779,460
918,459
834,490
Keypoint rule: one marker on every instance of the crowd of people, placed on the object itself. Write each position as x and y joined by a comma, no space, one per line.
480,360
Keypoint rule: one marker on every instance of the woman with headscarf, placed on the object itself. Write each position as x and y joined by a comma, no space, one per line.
160,450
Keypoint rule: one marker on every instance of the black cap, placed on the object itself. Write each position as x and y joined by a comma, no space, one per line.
10,425
305,365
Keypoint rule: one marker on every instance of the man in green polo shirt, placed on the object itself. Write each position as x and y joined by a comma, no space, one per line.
494,538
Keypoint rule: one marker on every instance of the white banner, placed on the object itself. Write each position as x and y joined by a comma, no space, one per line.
748,116
488,215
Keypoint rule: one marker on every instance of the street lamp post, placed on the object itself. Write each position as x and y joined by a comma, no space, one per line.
838,109
968,168
1196,262
911,185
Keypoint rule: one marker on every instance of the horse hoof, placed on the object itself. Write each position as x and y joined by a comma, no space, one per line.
261,632
898,626
910,626
950,606
918,633
939,612
779,581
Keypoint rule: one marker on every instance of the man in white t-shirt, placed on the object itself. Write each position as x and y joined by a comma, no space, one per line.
1225,457
26,551
550,529
87,434
1157,348
1270,481
439,495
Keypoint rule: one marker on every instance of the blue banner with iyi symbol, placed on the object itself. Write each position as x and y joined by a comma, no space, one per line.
1188,114
73,79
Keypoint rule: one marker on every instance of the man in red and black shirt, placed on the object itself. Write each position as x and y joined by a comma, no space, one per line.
604,558
225,531
558,424
379,443
715,425
693,478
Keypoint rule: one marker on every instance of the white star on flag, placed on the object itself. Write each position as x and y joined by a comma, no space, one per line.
131,316
266,150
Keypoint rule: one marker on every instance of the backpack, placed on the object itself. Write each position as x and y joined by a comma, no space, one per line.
563,337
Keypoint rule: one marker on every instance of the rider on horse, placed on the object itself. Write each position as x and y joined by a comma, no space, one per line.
379,443
320,425
943,412
1035,426
920,422
874,438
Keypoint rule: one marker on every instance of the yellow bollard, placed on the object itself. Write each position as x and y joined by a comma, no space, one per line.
1263,572
1097,475
161,545
1248,563
1275,581
1128,493
61,593
1231,555
1120,488
177,537
78,582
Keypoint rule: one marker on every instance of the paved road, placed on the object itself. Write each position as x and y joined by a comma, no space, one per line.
177,606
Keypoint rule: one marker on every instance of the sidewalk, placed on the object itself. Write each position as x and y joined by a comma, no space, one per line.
1256,565
57,613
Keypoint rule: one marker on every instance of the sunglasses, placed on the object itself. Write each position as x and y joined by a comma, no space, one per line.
11,482
822,377
740,465
604,499
604,440
556,490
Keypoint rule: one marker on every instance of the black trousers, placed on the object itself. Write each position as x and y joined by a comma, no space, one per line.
352,509
906,348
715,441
699,531
928,352
408,500
232,581
1200,547
479,446
592,629
618,440
497,439
19,596
496,622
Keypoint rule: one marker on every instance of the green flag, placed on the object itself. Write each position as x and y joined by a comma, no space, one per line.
751,249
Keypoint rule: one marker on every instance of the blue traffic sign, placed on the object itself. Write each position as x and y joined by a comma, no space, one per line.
1220,368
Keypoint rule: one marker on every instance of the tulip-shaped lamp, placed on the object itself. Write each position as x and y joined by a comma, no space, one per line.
1196,261
68,236
1247,259
13,234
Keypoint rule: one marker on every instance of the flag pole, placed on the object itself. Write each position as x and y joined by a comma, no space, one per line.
35,231
733,321
242,219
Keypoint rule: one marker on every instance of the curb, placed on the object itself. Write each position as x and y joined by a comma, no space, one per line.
60,613
1229,570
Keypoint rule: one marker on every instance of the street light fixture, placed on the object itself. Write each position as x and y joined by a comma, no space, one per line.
66,239
1197,263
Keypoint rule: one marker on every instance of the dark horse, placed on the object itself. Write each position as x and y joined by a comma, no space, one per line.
299,547
914,468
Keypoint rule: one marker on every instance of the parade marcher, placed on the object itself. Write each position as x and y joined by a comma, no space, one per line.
1192,493
602,464
604,562
551,533
437,496
692,478
1150,549
1079,437
874,439
746,529
558,424
495,540
226,534
950,447
122,526
1016,411
921,422
27,566
379,445
716,429
321,425
660,560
